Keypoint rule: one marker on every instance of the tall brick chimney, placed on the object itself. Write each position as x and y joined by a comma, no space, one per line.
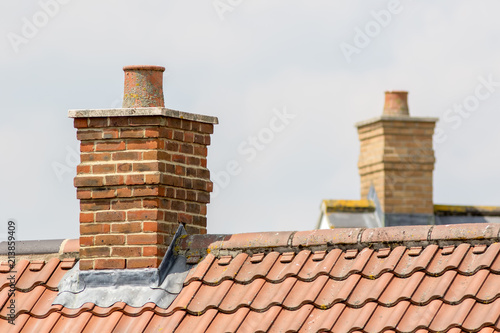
397,160
143,171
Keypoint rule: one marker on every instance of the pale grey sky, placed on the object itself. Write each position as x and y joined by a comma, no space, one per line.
243,61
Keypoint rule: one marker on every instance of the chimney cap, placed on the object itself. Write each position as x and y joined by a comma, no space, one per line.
143,86
396,103
144,68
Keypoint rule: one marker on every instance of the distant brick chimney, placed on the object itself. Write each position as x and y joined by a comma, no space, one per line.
397,160
143,171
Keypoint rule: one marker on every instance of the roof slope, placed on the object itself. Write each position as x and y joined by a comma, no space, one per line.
402,279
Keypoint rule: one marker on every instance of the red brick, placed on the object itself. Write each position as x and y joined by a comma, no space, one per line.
127,155
92,205
124,192
126,133
82,169
83,194
110,146
124,167
178,135
150,203
185,218
136,179
144,239
150,251
186,148
86,264
201,151
139,215
142,144
146,120
114,180
95,251
126,204
206,128
126,227
86,147
110,133
88,135
110,239
153,179
152,132
147,166
110,216
103,168
150,226
143,262
94,228
80,122
102,193
186,124
98,122
86,241
95,157
125,251
146,191
152,155
83,181
179,158
86,217
174,122
109,263
118,121
189,137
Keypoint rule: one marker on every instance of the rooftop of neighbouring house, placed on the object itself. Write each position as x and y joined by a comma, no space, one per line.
393,279
366,213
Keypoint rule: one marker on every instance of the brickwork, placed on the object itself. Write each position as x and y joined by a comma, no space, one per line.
397,158
139,177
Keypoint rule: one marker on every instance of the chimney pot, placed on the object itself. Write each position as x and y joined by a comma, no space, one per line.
143,87
396,103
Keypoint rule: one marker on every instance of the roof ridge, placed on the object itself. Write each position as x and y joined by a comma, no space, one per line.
344,238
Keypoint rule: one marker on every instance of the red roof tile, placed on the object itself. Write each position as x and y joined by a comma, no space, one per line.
333,281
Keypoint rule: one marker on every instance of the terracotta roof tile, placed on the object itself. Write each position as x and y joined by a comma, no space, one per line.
241,295
411,263
322,320
219,272
401,289
251,270
398,286
273,294
228,322
259,321
304,292
314,267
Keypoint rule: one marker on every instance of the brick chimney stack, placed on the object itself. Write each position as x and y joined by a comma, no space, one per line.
397,160
143,171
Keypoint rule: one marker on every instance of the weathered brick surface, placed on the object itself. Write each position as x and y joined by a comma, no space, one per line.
397,158
139,177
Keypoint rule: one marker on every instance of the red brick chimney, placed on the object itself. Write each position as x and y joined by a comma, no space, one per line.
397,159
143,171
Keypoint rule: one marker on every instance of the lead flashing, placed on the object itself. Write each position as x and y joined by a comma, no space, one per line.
136,112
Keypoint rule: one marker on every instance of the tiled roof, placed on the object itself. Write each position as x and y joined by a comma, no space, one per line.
404,279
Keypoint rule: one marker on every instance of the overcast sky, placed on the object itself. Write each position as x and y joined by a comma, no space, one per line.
324,63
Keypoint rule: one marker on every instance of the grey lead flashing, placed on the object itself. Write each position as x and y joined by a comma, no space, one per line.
33,247
135,287
130,112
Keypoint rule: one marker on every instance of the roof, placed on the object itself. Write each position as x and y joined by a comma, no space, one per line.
394,279
367,213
